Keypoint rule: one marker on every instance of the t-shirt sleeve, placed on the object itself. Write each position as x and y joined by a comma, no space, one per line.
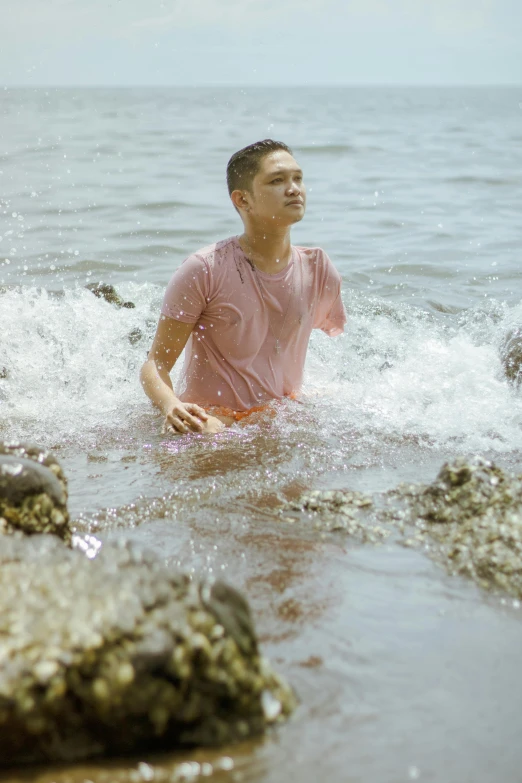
330,315
187,293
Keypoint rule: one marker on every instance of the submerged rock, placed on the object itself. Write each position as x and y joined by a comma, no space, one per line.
345,510
473,509
135,336
109,293
511,355
33,492
117,654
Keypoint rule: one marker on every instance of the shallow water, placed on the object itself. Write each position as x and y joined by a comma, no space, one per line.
403,672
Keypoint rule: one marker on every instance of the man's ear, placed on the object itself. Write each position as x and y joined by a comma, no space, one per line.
240,200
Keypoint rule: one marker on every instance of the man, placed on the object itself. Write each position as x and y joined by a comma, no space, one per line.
244,306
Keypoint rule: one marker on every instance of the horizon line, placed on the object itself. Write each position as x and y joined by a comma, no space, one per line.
223,85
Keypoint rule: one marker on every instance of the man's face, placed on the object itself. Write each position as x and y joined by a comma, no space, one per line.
278,192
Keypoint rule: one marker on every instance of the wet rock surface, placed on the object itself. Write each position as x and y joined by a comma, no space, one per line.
109,293
473,510
33,492
114,654
339,510
469,519
106,652
135,336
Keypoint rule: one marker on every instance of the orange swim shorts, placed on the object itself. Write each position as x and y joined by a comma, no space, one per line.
221,410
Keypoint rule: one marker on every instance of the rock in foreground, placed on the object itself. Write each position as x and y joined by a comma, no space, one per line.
115,654
33,492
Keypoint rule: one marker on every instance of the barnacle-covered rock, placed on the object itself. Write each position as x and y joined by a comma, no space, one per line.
474,510
33,491
117,654
465,489
469,519
336,509
343,501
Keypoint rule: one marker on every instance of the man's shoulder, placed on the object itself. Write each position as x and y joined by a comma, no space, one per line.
214,252
315,255
320,265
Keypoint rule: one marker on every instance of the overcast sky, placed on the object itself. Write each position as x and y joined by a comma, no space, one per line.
189,42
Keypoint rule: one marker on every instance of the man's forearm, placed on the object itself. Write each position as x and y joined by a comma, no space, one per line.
158,386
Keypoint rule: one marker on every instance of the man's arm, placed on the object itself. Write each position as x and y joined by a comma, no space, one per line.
171,337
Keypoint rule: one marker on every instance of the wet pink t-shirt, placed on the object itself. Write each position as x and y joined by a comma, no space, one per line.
251,329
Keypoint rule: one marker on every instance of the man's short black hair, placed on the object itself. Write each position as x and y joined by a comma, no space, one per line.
244,164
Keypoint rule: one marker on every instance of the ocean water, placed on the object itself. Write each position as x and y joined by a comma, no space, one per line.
416,195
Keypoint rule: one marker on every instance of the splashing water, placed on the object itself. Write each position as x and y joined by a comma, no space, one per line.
70,362
397,374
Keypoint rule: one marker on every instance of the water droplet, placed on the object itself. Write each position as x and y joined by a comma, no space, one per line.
146,771
271,706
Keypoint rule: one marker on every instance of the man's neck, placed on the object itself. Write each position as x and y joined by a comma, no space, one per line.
269,252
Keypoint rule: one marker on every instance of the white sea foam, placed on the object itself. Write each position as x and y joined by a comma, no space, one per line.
403,374
69,362
397,373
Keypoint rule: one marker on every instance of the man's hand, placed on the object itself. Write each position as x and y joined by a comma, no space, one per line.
212,425
189,417
180,417
185,417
